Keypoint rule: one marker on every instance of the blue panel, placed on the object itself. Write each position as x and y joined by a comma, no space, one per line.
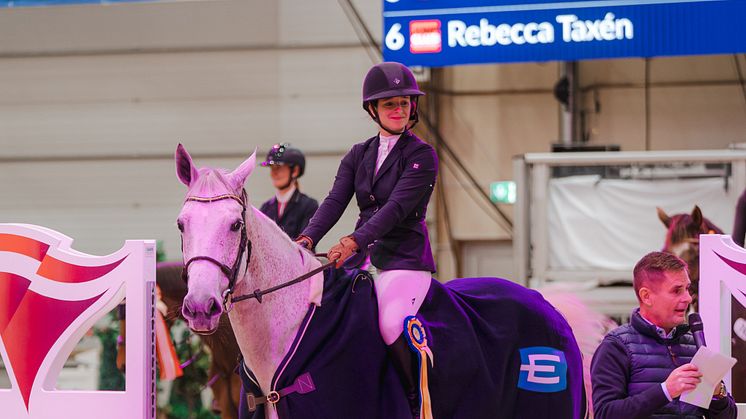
438,33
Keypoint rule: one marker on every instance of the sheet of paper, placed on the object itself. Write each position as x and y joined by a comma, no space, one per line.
713,366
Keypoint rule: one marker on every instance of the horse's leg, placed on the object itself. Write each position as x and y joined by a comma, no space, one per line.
234,392
226,391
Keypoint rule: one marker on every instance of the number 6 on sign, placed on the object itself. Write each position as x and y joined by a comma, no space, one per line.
394,38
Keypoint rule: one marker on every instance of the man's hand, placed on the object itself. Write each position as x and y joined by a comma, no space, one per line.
304,241
340,252
684,378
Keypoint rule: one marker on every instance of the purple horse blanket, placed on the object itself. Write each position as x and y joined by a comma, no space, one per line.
499,349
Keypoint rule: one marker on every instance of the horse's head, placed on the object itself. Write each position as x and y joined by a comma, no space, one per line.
683,230
214,240
682,240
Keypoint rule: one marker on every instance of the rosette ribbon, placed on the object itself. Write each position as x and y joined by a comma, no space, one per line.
417,340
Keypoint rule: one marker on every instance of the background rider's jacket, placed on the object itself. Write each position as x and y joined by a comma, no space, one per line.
300,208
631,363
392,203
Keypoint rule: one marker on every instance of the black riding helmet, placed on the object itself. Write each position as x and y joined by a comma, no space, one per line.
390,79
284,154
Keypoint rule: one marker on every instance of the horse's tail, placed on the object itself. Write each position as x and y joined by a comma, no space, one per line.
588,326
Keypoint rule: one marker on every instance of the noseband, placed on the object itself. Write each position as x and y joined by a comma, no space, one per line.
244,246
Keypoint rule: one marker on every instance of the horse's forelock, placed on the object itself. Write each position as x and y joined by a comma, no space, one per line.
211,182
676,232
678,228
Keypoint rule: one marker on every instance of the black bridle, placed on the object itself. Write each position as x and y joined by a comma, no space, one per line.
245,246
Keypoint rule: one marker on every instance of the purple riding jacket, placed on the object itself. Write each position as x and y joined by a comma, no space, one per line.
392,203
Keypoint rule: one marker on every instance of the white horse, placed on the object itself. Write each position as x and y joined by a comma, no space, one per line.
230,247
264,331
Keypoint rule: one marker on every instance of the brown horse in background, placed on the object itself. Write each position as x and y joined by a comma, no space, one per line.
682,240
222,345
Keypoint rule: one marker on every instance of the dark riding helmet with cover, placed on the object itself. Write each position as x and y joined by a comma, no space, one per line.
390,79
284,154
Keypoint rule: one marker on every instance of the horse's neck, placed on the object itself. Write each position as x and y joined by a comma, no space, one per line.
265,331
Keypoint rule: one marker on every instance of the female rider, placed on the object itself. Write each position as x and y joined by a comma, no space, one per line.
391,176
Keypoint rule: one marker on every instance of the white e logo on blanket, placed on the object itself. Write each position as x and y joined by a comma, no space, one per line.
543,369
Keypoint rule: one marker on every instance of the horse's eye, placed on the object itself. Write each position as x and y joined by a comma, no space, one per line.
236,226
180,226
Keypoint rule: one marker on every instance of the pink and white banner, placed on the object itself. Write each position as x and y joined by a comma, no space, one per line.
722,274
722,288
50,295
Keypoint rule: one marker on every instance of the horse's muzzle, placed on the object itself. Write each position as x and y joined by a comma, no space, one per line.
202,314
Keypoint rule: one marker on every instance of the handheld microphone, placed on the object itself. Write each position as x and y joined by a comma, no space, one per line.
698,329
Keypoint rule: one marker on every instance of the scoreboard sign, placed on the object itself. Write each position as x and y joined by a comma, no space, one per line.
435,33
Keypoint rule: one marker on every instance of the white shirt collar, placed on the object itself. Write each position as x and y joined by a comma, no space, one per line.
388,140
284,197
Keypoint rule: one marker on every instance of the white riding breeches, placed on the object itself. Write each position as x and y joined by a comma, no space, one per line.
400,293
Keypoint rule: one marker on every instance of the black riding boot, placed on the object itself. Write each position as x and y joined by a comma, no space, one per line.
405,363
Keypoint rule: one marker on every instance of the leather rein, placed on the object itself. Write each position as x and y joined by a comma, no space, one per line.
244,247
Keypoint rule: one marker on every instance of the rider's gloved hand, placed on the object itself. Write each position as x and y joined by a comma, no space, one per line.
304,241
340,252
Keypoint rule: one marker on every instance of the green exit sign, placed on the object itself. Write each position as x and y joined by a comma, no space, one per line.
503,192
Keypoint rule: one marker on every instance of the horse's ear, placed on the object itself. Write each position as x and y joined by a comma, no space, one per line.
185,170
665,219
697,215
238,177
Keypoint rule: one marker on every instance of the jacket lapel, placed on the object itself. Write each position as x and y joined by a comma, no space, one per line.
369,159
392,158
291,203
272,209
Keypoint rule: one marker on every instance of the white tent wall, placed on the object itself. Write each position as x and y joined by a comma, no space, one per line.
94,99
608,224
583,232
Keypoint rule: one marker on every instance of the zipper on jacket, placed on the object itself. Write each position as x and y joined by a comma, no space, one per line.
673,356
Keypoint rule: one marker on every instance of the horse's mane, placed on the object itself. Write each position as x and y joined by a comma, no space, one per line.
274,228
711,226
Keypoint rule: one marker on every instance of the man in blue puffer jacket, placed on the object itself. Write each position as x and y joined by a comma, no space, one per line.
641,368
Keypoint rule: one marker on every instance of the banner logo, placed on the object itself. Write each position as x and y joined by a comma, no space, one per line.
543,369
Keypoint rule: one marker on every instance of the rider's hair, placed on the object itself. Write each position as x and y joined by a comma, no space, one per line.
650,270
